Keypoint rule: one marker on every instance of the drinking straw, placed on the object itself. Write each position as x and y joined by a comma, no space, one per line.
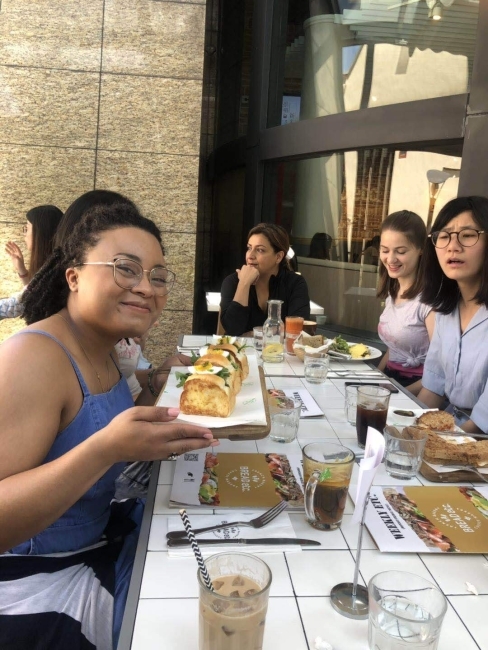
196,549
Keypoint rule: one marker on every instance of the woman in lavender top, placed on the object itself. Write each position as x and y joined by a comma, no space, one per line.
456,286
406,324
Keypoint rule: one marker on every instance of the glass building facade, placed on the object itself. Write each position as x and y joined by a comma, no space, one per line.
328,116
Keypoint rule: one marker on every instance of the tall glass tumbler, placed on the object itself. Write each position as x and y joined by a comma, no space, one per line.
372,410
233,615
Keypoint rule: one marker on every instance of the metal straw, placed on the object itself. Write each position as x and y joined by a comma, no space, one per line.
196,549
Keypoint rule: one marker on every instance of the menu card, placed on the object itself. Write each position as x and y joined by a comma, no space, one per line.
429,519
237,480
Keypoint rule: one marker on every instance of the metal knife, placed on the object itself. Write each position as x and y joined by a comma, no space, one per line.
268,541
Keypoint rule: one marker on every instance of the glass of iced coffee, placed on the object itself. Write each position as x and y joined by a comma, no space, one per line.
232,616
327,469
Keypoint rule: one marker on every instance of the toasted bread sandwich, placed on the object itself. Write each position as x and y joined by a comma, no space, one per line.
207,395
436,421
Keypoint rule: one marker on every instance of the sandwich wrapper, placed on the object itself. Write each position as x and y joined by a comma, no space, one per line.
249,407
373,456
280,527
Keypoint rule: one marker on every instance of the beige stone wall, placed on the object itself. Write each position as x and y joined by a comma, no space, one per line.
104,95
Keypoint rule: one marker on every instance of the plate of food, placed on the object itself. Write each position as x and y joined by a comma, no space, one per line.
223,388
347,351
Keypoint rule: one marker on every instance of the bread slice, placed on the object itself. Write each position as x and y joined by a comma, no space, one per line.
453,450
224,362
436,421
207,395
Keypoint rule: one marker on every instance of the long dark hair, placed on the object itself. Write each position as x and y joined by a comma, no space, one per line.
440,291
81,205
45,220
277,237
413,227
48,291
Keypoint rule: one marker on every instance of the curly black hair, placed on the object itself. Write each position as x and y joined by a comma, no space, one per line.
47,292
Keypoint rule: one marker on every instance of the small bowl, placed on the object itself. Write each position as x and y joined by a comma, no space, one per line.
399,416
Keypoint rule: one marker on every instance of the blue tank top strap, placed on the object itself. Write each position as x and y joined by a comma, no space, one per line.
83,385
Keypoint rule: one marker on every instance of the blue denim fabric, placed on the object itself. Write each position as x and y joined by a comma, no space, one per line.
83,524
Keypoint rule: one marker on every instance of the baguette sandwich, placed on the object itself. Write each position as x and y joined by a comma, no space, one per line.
239,358
207,394
223,359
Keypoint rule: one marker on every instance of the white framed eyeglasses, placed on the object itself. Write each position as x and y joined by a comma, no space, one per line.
128,274
466,237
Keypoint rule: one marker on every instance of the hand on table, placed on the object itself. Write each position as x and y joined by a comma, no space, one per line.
16,256
248,274
149,433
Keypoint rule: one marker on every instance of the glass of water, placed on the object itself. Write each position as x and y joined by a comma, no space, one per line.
258,338
351,404
316,367
285,418
405,611
404,449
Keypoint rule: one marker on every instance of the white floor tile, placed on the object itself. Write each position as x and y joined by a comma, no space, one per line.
473,612
267,446
171,624
320,619
454,634
329,539
166,577
452,573
236,446
382,478
315,428
283,626
373,562
315,575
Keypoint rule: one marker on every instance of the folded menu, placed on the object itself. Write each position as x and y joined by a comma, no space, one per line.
279,527
237,480
429,519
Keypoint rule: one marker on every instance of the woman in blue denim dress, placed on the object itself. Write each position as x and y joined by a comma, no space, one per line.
69,426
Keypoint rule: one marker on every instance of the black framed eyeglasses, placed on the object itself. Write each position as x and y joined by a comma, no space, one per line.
466,237
128,274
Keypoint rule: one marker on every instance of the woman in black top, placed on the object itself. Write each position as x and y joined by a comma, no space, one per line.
266,275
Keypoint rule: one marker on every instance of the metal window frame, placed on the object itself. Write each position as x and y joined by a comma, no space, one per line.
441,120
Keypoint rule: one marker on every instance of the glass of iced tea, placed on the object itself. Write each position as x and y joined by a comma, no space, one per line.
372,410
327,469
232,616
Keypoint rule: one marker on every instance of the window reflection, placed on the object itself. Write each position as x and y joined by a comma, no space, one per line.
333,208
371,53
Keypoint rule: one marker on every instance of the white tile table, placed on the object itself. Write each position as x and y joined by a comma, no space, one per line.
162,608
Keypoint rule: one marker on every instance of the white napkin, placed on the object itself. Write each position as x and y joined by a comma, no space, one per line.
373,456
279,527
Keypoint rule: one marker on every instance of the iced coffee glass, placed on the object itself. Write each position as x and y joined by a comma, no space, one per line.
327,469
232,617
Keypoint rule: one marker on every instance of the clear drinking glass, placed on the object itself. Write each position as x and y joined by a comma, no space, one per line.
372,410
273,334
258,338
350,404
403,451
327,469
285,418
316,367
405,611
234,614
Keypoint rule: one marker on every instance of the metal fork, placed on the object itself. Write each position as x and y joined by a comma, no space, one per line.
257,522
470,468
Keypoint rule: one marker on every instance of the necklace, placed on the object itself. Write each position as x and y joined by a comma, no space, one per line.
71,329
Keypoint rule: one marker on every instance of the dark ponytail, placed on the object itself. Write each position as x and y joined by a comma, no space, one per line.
48,291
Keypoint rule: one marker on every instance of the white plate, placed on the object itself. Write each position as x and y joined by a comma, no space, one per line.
374,354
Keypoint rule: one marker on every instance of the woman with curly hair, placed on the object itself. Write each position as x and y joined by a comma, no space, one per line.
67,549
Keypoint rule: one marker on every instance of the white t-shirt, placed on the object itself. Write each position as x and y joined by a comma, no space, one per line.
402,328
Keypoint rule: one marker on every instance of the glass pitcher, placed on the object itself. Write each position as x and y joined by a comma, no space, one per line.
273,334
